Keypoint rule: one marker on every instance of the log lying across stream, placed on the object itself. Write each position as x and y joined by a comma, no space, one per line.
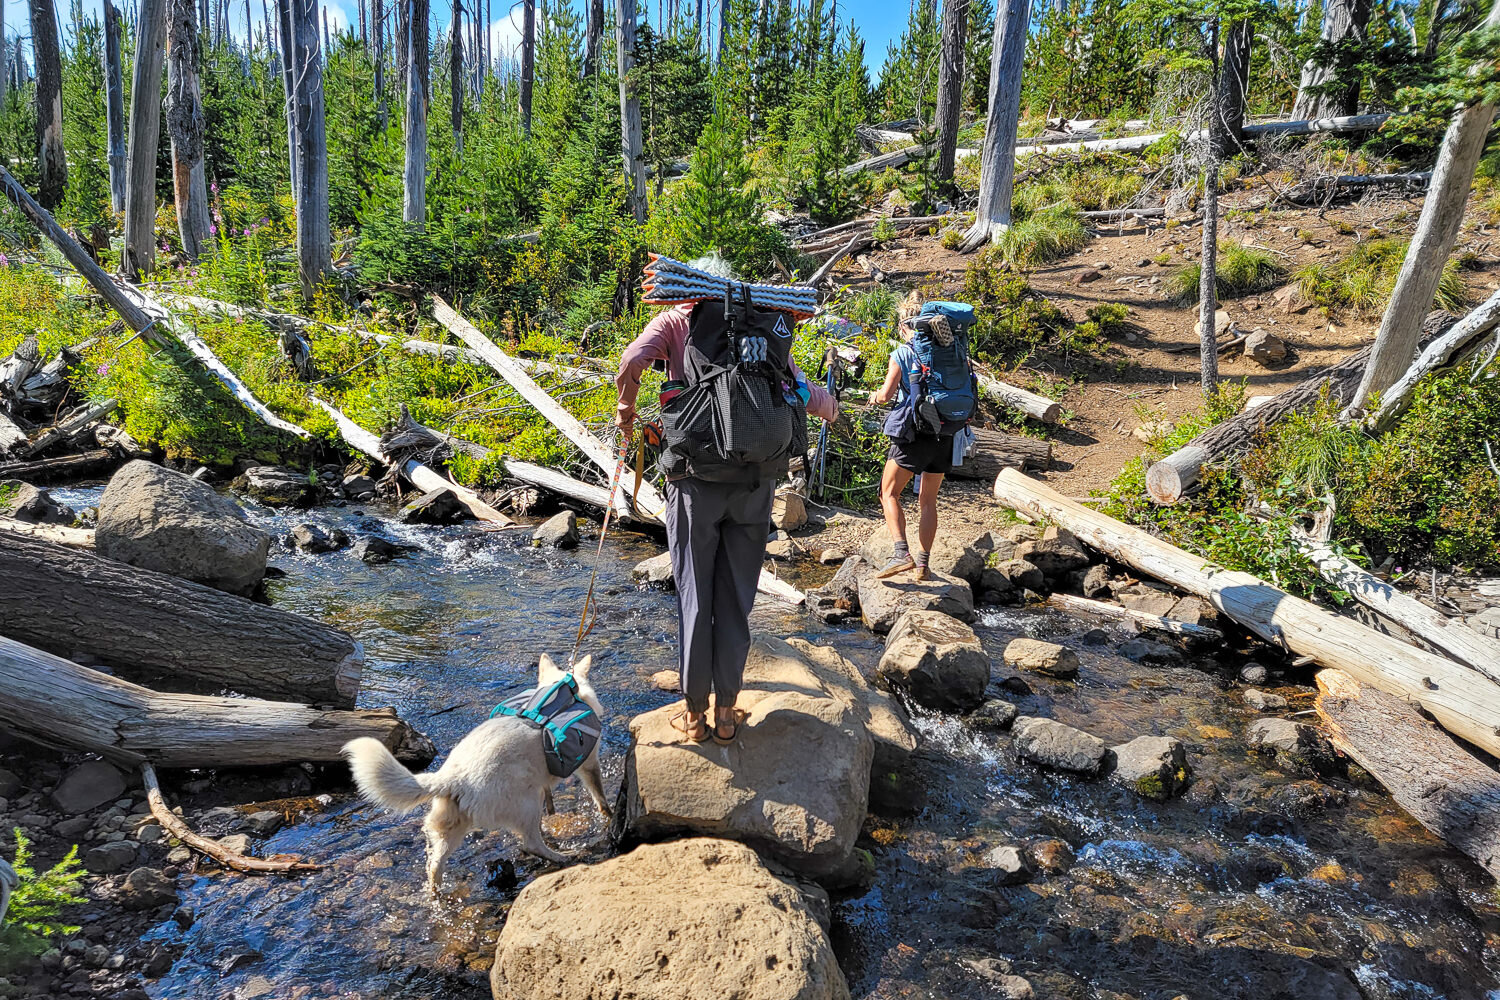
57,703
70,602
1463,701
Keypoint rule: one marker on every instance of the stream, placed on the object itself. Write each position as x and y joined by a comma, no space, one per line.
1255,883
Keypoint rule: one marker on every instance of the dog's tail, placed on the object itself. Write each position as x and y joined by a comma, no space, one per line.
383,780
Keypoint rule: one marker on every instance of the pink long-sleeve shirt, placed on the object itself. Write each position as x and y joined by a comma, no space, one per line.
664,339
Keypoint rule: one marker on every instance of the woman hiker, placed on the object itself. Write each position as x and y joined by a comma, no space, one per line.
716,527
931,367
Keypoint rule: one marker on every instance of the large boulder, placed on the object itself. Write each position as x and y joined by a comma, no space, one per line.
952,554
685,920
32,504
794,785
883,602
937,660
439,506
275,486
788,510
161,520
1058,746
838,600
889,725
88,786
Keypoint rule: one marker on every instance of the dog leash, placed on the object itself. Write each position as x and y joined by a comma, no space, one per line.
590,607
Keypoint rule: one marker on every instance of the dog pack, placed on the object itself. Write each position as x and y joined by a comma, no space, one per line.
739,417
570,728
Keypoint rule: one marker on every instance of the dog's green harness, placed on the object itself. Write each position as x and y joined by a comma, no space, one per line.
570,728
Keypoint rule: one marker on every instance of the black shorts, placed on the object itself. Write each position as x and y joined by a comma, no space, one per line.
924,454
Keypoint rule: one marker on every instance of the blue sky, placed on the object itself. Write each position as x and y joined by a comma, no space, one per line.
880,21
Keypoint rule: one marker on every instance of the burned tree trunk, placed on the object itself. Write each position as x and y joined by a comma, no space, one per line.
1234,84
997,167
528,61
114,107
377,25
594,43
138,256
950,85
456,75
314,242
1344,23
52,164
185,127
631,149
414,185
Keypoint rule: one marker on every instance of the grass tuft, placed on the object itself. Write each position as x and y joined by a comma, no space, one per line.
1043,237
1240,270
1364,279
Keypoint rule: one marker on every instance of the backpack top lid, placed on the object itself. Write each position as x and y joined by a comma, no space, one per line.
960,315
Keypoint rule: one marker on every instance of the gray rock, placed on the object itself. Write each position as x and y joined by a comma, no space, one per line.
838,599
1056,553
1152,766
1050,855
107,859
783,548
439,506
1009,865
1253,673
275,486
263,823
9,784
657,570
1095,582
359,487
149,834
1063,748
73,827
1264,346
1021,574
1018,533
830,556
1151,599
883,602
1042,657
1146,651
669,681
376,550
161,520
997,972
1295,745
88,786
993,714
147,889
937,660
560,531
788,510
1094,637
235,843
1261,701
995,587
32,504
314,539
952,554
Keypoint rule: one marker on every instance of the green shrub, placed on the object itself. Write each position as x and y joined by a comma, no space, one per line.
1048,235
1011,319
1364,278
37,902
1239,270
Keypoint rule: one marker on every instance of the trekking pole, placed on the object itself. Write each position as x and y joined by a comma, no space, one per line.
590,607
820,466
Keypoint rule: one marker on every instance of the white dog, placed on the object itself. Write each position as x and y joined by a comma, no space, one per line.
495,779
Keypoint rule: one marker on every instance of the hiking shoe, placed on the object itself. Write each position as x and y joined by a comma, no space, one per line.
897,564
921,573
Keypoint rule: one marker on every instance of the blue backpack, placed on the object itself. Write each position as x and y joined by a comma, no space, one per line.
945,377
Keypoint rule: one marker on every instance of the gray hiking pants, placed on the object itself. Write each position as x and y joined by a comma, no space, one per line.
716,533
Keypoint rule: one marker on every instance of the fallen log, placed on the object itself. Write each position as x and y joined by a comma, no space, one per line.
1444,787
651,501
15,370
560,483
1448,635
995,450
69,601
46,386
1318,189
70,427
175,826
1118,214
57,703
45,468
76,538
136,308
861,241
1034,405
1146,620
1168,480
1451,348
1464,702
421,476
11,436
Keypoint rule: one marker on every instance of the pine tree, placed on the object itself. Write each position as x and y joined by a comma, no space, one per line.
87,199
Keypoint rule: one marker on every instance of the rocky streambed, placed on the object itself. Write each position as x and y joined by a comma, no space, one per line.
987,856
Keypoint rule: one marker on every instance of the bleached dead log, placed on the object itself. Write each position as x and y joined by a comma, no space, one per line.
1317,189
1452,348
69,427
70,601
1146,620
1448,635
571,428
1444,787
559,483
1124,214
15,370
76,538
1463,701
46,386
1034,405
421,476
57,703
175,826
861,241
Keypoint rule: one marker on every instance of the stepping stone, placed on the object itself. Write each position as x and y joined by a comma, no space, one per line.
937,660
883,602
1057,746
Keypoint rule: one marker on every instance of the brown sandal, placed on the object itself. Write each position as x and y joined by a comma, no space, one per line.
734,729
679,723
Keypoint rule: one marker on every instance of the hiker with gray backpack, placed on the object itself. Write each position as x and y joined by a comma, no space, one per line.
733,414
935,396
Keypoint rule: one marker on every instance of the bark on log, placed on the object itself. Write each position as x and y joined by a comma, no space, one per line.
1448,635
1169,480
1146,620
175,826
860,242
69,601
1318,189
996,450
528,61
138,255
57,703
69,427
1444,787
1463,701
11,436
421,476
1452,348
1034,405
314,240
950,85
45,468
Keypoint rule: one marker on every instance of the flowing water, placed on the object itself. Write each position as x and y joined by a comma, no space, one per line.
1256,883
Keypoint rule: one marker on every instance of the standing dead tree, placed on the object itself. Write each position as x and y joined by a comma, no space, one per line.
186,126
138,257
950,85
414,184
114,106
997,167
631,149
52,164
1344,23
